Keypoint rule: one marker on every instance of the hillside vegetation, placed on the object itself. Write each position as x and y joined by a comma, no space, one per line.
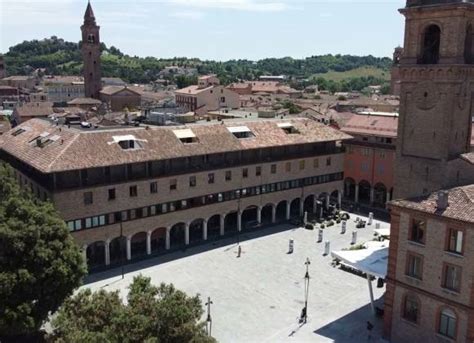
64,58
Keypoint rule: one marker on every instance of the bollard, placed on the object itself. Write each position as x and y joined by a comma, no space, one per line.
371,218
290,247
354,237
320,235
327,247
343,227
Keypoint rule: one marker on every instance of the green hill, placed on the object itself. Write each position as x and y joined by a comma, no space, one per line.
64,58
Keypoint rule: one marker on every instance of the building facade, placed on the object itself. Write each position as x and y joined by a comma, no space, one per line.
120,97
370,159
62,89
166,188
91,54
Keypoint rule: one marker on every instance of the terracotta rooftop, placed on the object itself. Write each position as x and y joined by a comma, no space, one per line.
79,149
371,125
84,101
63,79
35,109
460,204
192,90
111,90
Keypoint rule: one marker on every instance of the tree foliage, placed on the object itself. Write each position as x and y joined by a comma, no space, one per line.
40,265
64,58
152,314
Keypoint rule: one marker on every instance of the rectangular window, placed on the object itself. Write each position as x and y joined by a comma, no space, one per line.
288,166
78,224
173,184
210,178
192,181
302,164
328,161
154,187
365,151
414,265
417,231
455,241
152,210
133,191
95,221
70,225
124,215
245,173
111,194
316,163
410,309
447,323
258,171
273,168
88,198
452,277
88,223
228,175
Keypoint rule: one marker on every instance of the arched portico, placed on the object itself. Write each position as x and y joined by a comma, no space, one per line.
95,253
158,240
196,230
138,245
178,235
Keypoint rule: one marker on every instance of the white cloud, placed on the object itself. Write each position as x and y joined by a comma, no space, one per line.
241,5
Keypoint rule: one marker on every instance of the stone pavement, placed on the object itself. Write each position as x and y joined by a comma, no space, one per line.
259,296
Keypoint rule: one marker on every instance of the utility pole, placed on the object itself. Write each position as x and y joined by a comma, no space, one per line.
209,319
121,249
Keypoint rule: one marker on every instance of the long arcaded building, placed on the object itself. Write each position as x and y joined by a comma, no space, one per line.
146,190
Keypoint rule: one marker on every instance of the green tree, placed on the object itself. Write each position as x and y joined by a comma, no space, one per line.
151,314
40,265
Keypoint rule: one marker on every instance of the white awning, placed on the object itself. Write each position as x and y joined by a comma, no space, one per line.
238,129
372,261
184,133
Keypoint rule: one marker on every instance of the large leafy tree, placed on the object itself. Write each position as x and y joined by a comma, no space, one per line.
40,265
151,314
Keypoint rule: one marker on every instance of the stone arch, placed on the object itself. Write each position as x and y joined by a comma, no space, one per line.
230,222
430,45
214,226
364,192
309,202
349,188
295,208
249,217
95,254
196,230
281,211
177,235
118,253
138,244
158,240
380,194
266,214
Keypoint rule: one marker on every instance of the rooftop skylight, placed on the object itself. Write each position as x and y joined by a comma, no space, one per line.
288,128
241,132
186,136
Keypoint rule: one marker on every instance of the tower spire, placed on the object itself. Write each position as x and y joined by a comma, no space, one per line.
89,16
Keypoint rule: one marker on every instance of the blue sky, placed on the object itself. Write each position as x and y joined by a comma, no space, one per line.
215,29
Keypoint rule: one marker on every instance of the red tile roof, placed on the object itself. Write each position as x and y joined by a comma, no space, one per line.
384,126
460,204
79,149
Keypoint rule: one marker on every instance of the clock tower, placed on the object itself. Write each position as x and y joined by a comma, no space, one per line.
436,96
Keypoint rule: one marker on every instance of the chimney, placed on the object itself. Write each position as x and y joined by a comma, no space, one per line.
442,200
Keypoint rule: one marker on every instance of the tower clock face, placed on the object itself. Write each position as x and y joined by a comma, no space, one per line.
426,95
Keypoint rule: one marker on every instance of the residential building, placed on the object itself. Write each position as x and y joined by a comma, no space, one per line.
90,49
20,81
120,97
264,87
85,103
207,96
62,89
370,158
166,188
429,289
31,110
429,276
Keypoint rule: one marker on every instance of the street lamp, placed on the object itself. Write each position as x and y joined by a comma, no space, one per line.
121,249
304,312
209,319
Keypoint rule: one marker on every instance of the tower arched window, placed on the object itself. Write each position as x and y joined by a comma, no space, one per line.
469,46
91,39
430,45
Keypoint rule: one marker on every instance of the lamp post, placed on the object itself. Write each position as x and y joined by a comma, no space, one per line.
304,314
121,249
209,319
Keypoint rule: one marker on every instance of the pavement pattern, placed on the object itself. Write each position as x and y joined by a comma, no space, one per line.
258,297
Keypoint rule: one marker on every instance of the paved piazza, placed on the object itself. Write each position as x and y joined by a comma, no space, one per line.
259,296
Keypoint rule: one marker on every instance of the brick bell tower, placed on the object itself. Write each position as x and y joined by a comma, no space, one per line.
91,54
436,101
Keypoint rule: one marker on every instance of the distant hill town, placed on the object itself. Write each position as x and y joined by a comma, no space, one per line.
332,72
